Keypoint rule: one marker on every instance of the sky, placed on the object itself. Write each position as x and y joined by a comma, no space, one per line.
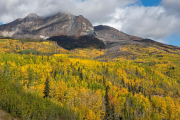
150,2
155,19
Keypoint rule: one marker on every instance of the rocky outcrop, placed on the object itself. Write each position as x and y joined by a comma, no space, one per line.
107,33
34,26
60,24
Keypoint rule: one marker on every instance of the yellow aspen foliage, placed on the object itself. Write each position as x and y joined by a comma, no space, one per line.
145,87
90,115
60,91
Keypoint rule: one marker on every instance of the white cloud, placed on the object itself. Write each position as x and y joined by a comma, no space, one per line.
92,9
173,6
147,22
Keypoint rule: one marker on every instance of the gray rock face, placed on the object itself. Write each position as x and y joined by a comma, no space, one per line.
107,33
110,33
33,26
113,38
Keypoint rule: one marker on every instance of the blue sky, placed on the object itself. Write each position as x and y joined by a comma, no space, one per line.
150,2
173,40
155,19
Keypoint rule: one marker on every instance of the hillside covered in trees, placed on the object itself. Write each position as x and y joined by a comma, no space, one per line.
40,80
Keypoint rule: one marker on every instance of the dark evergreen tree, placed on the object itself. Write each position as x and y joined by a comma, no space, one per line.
107,105
125,110
47,58
55,73
79,69
104,81
106,71
46,89
81,75
31,76
137,73
129,87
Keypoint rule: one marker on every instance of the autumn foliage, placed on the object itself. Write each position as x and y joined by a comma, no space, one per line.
147,87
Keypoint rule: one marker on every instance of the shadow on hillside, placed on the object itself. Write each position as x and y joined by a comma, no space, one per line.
70,43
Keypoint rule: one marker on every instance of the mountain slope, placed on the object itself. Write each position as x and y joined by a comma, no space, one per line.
73,32
108,33
147,87
119,44
33,26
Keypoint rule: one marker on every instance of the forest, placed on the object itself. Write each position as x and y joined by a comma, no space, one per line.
40,80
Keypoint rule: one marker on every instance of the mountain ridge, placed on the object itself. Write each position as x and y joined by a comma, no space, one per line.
33,26
72,31
35,23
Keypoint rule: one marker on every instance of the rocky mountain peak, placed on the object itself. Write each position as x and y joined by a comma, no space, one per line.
33,26
32,15
68,30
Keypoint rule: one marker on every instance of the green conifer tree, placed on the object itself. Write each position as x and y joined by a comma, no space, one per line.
107,105
46,89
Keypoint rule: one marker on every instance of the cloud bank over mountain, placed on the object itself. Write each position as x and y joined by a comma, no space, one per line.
94,10
129,16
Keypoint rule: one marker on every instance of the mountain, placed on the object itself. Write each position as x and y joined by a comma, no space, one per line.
61,24
72,31
34,26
